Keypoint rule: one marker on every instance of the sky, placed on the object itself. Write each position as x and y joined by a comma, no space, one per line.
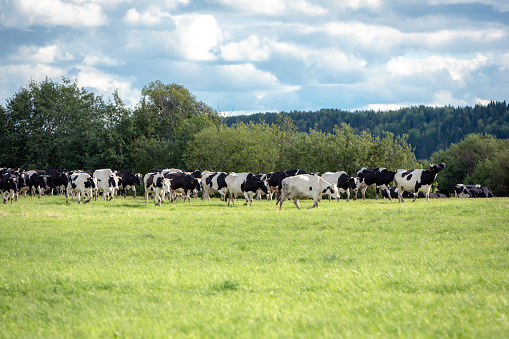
245,56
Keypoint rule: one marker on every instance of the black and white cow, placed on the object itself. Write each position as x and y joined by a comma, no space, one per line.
182,183
107,183
343,182
214,182
81,184
416,181
375,177
304,186
8,187
158,185
472,191
36,181
128,180
244,183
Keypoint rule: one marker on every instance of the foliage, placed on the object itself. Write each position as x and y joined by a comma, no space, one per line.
205,270
262,148
471,161
429,129
52,125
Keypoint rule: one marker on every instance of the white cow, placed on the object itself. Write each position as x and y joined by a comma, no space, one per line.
158,185
81,183
304,186
418,180
212,183
107,183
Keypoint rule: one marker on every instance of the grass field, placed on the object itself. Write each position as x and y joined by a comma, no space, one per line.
356,269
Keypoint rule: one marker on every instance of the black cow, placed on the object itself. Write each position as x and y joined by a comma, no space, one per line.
345,183
251,185
182,183
394,193
431,195
375,177
128,180
36,181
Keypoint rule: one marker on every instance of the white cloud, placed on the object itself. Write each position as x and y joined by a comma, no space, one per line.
500,5
45,55
27,13
247,50
105,84
151,17
270,7
276,7
458,69
95,60
197,36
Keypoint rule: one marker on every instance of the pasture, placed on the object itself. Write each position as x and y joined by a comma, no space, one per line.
357,269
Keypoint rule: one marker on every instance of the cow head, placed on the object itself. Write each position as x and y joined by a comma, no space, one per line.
137,179
436,168
91,183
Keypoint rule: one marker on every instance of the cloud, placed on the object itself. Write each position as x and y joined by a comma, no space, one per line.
26,13
197,36
275,7
502,6
151,17
95,60
45,55
247,50
105,84
458,69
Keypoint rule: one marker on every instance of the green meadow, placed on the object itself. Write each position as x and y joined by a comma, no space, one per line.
357,269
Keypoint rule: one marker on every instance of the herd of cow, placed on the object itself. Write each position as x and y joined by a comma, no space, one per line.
173,183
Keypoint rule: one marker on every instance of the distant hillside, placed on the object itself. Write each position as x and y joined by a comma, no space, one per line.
429,129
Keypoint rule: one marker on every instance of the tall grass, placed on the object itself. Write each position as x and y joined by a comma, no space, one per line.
356,269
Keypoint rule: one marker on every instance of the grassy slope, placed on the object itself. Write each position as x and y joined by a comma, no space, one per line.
362,269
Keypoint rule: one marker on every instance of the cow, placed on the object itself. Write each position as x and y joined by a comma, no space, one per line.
304,186
244,183
394,193
128,180
214,182
81,183
36,181
375,177
107,183
8,187
259,193
182,183
472,191
157,184
432,195
274,179
343,182
416,181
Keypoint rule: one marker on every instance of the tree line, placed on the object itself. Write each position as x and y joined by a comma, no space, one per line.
51,125
429,129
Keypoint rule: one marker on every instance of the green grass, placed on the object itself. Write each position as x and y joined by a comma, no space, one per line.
356,269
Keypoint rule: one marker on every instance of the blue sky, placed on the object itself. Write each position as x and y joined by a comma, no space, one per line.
245,56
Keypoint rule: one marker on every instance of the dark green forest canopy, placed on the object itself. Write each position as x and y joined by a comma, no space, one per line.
429,129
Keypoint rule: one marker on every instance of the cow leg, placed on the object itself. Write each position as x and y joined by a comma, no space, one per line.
388,192
400,194
296,202
364,192
347,194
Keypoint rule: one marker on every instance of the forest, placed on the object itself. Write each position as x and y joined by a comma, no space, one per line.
429,129
53,125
